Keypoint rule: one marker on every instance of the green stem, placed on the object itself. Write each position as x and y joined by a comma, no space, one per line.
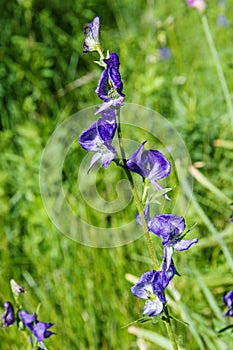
169,329
145,228
136,197
221,76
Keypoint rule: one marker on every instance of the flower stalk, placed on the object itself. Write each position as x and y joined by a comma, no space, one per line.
136,197
169,328
151,165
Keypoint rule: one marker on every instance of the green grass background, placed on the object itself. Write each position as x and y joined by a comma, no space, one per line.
84,290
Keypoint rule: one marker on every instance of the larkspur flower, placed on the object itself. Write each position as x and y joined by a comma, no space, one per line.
98,138
110,86
92,36
200,5
169,228
149,164
39,329
150,287
228,300
8,316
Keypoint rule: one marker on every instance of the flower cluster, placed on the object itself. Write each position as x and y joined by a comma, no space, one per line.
150,164
99,135
37,328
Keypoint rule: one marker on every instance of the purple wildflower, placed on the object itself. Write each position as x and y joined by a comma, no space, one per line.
164,53
222,20
150,287
98,138
169,228
110,86
198,4
228,300
92,36
8,316
149,164
39,329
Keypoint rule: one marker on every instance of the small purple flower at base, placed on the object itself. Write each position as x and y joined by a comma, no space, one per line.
200,5
151,286
8,316
92,36
164,53
228,300
110,86
98,138
222,21
39,329
149,164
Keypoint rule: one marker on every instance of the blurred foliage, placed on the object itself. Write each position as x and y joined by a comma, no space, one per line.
45,78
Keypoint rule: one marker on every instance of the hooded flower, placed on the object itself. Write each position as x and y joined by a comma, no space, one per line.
228,300
39,329
169,228
92,36
98,138
110,86
150,287
8,316
149,164
198,4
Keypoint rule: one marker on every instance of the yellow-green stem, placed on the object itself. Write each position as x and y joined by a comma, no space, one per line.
136,197
169,329
145,229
